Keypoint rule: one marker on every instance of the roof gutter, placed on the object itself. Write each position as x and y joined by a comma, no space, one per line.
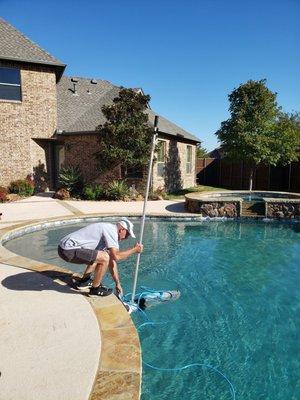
59,67
179,137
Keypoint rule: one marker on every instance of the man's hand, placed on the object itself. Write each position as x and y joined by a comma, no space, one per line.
138,248
119,290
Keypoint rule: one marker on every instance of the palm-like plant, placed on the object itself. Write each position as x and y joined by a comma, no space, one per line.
117,190
71,179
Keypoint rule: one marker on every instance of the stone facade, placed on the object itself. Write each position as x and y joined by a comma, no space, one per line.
53,122
175,176
213,209
29,143
272,208
79,150
287,210
24,123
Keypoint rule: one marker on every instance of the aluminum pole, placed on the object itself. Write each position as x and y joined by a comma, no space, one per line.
145,205
290,172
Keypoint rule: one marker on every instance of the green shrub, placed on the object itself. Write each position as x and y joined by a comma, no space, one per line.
3,194
70,178
93,192
22,187
117,190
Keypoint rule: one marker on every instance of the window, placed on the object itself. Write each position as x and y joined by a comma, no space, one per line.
134,172
161,157
189,152
10,84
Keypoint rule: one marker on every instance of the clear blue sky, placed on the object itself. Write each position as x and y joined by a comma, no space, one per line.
188,55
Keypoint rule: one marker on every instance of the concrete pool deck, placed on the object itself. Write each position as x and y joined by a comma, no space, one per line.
56,343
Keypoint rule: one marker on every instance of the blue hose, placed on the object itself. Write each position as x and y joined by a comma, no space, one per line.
152,323
232,391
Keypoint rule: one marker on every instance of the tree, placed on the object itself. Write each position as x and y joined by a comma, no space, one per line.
257,131
200,151
125,138
288,126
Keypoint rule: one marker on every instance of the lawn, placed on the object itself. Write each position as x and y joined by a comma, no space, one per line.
199,188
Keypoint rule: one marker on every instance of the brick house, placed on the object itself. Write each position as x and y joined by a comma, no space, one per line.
48,120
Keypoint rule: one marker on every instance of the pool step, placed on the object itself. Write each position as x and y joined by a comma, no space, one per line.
253,209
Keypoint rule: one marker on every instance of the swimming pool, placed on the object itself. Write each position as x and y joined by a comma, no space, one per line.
239,308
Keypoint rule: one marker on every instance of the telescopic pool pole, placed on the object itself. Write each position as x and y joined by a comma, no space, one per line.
145,205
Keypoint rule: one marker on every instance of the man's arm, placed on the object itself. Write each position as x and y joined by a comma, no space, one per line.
113,268
118,255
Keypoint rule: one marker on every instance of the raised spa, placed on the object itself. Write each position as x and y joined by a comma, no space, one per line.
233,204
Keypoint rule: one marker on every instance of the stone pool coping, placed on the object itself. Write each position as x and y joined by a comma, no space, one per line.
217,195
119,370
118,377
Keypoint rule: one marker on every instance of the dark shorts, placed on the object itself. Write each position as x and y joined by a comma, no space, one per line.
78,256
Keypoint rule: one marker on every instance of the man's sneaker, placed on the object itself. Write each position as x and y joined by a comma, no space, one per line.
83,283
100,291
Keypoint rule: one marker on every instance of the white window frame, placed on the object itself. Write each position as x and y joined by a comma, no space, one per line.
189,159
161,163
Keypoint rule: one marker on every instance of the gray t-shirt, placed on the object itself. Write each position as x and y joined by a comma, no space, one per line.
98,236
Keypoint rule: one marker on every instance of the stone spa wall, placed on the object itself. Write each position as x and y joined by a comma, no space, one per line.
212,209
276,208
283,209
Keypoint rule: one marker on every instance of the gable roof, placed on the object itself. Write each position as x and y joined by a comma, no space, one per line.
216,153
79,108
15,46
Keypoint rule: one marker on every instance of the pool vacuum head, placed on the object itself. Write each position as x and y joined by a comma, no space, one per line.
151,299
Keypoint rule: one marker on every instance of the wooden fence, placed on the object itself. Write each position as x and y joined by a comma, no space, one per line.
235,175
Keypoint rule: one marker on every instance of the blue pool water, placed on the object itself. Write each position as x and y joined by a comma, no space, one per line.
238,311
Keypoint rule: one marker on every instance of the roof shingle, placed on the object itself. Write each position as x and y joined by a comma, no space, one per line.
17,47
80,111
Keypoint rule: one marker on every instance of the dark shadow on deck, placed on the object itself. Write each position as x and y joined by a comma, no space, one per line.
177,207
32,281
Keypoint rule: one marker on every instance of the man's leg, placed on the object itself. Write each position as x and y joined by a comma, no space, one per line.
102,262
89,269
83,254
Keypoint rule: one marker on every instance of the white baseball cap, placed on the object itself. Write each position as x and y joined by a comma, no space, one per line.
128,225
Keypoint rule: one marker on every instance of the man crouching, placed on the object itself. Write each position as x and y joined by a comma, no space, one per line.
97,245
